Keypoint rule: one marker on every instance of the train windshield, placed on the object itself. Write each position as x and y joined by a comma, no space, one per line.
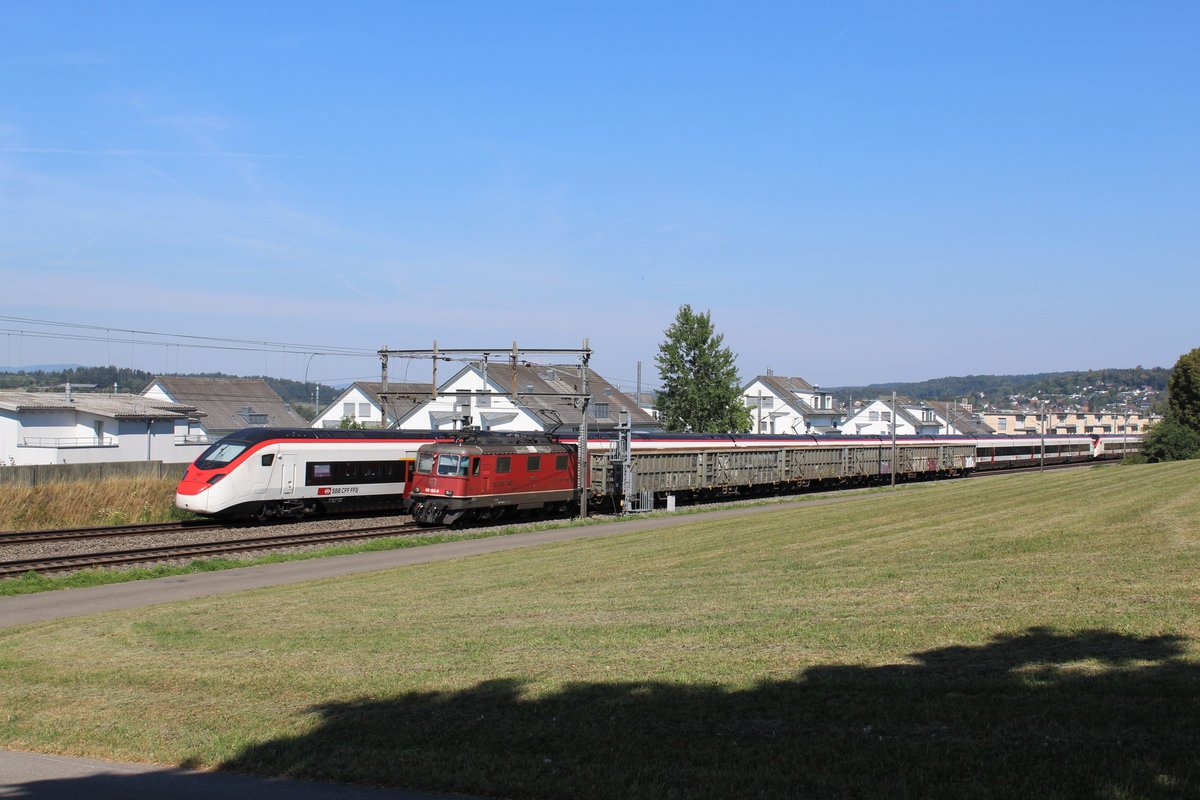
425,463
453,465
220,454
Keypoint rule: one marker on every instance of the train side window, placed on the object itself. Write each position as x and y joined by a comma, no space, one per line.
561,463
370,470
319,474
268,459
503,464
475,466
533,463
345,470
464,464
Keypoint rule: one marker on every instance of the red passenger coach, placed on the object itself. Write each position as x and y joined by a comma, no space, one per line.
484,477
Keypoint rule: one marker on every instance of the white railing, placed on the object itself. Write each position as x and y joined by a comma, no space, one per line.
69,441
193,438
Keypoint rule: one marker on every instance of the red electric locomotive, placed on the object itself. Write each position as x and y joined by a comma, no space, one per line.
483,477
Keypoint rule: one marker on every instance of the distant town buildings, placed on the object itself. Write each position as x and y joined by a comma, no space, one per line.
175,418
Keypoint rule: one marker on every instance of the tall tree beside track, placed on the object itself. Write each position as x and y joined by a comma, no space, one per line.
1178,435
1183,387
701,389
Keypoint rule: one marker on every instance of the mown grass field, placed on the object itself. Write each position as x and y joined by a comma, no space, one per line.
1027,635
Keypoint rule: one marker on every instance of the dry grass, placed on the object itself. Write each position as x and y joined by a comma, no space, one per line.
114,501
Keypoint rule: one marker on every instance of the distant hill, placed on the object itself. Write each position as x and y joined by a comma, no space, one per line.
40,368
1097,388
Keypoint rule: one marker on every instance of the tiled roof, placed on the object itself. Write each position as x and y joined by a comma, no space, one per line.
566,379
786,388
223,400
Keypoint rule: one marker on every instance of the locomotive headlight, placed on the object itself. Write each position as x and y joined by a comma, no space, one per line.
215,478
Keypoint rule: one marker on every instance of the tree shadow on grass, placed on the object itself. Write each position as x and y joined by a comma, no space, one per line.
1033,714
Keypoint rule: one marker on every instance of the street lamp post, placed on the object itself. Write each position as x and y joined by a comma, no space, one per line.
317,400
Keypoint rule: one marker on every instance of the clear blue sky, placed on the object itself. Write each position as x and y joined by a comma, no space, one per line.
858,192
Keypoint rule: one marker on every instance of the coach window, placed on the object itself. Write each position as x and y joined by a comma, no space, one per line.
503,464
319,474
425,463
533,463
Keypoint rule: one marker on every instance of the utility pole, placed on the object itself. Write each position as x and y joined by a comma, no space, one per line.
583,460
893,439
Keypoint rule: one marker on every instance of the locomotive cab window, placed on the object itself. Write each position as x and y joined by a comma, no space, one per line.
453,465
425,464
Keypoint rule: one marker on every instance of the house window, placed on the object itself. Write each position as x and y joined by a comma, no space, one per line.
886,416
873,416
766,402
364,409
347,409
1003,424
600,410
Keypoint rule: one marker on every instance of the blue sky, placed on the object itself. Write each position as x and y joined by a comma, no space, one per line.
859,192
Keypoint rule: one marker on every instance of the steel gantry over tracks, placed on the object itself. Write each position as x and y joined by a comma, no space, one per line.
513,356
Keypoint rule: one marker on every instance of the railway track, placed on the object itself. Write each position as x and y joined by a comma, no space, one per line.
77,534
69,563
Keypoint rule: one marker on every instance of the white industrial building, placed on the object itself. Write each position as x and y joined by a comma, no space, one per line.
85,428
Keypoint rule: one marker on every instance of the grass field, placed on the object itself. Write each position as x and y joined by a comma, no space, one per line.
1025,635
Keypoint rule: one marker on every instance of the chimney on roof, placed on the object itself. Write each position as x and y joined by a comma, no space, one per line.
770,372
68,391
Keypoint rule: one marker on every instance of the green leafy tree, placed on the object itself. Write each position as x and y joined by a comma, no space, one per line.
1171,440
350,422
701,389
1183,390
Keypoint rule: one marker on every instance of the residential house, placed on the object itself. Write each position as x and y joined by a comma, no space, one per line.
877,417
527,397
781,404
225,405
77,427
363,403
1039,421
